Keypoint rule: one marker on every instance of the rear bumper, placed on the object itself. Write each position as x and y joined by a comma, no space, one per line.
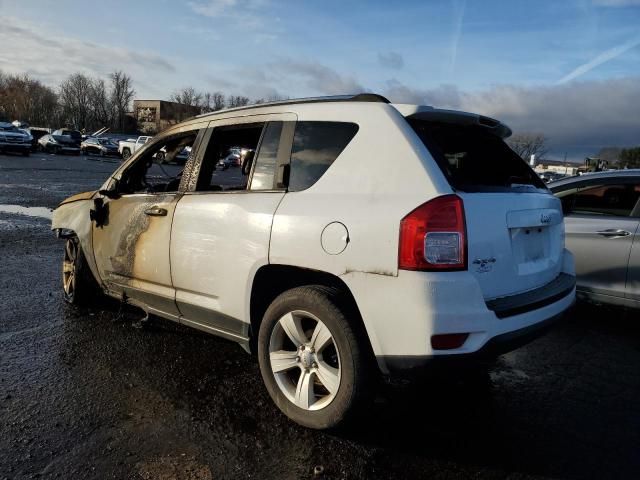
503,343
15,147
401,314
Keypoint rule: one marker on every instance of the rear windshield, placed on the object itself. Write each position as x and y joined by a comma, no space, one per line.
474,159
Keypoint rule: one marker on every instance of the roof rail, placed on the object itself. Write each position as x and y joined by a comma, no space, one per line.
360,97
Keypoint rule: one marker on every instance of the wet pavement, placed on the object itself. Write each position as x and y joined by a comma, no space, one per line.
84,394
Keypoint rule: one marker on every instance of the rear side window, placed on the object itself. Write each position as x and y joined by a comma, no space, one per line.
474,159
316,145
610,200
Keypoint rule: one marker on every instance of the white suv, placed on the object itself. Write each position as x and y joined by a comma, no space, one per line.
358,237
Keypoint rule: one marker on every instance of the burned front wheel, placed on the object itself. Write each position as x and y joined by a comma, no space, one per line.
79,287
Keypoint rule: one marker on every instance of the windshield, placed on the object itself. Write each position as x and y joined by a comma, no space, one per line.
474,159
9,128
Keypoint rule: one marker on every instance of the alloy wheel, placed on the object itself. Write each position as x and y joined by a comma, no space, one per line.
69,267
305,360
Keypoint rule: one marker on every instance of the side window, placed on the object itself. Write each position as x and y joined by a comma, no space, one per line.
228,149
316,145
612,200
264,171
160,168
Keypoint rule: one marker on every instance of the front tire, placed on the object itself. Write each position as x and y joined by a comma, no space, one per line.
126,153
313,363
79,286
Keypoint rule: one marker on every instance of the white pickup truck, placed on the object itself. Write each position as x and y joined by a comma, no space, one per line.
126,148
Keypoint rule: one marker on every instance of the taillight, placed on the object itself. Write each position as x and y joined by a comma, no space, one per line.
433,236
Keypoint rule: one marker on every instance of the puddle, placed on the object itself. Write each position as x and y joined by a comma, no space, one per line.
42,212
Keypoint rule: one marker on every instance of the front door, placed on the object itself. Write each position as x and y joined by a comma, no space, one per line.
132,249
600,228
132,231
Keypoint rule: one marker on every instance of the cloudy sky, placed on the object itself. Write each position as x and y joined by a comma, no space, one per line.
569,69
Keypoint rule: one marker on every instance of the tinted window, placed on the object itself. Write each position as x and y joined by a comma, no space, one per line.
473,158
265,167
316,145
612,200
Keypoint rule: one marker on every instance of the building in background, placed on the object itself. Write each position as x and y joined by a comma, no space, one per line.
153,116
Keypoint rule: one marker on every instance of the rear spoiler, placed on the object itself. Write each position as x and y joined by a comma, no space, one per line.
426,113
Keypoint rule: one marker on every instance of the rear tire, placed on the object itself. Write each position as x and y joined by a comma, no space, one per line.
314,365
79,286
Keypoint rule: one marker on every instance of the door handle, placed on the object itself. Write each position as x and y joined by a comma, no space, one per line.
613,232
156,212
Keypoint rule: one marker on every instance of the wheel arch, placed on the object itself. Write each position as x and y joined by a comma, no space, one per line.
273,279
72,219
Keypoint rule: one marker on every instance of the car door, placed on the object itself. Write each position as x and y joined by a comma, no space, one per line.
222,224
633,270
601,224
131,231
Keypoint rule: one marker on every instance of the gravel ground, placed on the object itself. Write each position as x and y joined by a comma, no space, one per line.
84,394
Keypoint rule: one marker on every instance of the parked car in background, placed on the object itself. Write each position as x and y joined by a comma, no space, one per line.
52,143
230,160
37,133
74,134
551,176
602,215
12,139
99,146
128,147
328,265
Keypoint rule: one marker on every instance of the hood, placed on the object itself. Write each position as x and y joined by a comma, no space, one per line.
79,196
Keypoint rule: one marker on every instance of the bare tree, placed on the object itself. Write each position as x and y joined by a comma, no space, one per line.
101,111
212,102
120,97
187,96
527,144
23,98
610,154
238,101
75,97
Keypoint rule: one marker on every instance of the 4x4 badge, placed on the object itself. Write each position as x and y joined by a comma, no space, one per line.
484,265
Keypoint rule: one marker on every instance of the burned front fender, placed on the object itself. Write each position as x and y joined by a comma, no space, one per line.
72,217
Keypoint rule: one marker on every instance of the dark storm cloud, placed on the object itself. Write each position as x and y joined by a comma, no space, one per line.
574,116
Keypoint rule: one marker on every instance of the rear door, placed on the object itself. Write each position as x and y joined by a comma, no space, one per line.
222,224
514,224
601,224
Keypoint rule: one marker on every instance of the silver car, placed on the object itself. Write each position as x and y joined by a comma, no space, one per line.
602,215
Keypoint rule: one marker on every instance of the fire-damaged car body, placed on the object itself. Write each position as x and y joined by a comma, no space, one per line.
315,255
